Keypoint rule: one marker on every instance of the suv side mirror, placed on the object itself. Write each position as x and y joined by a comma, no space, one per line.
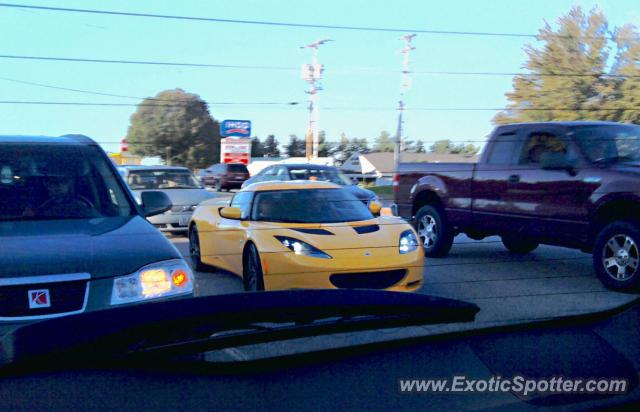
155,202
556,161
375,207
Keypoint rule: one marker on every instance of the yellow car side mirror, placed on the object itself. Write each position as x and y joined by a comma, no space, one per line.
231,213
375,207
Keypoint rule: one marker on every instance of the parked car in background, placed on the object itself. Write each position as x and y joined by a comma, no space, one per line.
303,234
572,184
224,176
178,183
306,171
72,237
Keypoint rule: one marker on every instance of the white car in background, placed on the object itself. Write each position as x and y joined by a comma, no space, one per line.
179,183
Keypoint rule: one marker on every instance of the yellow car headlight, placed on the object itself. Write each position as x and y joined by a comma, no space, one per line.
408,242
158,280
302,248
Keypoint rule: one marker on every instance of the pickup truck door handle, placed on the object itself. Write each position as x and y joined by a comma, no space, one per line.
514,179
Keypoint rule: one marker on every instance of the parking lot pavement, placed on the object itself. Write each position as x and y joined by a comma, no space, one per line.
547,283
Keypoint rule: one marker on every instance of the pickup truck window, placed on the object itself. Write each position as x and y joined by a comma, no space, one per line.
609,143
504,146
541,142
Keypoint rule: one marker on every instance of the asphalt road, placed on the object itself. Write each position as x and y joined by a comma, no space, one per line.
547,283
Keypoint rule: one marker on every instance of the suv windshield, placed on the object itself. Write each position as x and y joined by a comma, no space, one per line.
162,179
309,206
325,175
43,181
609,143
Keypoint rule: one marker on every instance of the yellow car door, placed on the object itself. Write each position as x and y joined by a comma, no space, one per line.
230,235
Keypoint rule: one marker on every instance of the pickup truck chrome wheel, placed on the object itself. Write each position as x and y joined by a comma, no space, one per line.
620,257
616,255
428,231
434,232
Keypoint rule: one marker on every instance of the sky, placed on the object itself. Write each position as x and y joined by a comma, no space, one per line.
362,69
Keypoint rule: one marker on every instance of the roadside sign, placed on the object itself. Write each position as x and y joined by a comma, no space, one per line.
235,128
234,150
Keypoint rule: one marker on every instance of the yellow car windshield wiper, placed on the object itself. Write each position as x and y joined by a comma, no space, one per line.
194,326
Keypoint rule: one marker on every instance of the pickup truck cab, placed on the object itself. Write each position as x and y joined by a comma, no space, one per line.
572,184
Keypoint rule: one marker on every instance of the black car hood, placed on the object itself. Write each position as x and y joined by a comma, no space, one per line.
103,247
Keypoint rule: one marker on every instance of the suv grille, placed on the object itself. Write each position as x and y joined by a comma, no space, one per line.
63,297
367,280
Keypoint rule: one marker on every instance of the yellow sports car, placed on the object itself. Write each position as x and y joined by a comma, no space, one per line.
305,234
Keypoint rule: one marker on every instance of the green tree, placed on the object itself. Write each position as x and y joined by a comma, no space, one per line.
270,146
448,147
324,147
296,147
577,47
383,143
257,147
626,91
176,126
419,148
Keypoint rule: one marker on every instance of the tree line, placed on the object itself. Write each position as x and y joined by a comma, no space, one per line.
345,147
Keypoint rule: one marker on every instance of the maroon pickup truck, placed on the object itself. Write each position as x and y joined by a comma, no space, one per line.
572,184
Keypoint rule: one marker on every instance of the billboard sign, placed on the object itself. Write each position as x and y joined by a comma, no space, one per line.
235,128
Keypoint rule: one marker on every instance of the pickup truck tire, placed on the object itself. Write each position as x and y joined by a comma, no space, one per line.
616,256
434,232
519,246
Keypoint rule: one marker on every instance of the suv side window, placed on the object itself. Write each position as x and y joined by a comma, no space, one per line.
538,142
505,147
242,200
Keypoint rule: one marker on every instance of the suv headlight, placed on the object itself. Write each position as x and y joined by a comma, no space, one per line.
408,242
158,280
302,248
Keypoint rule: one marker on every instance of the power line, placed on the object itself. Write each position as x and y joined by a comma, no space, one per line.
268,23
48,86
284,24
117,104
285,68
58,103
143,62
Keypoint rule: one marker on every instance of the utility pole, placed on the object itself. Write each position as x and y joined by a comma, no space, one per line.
168,156
405,84
312,73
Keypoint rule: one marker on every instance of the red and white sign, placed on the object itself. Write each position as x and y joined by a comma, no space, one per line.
39,299
234,150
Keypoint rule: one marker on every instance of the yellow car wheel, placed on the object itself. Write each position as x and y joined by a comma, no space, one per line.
194,251
252,270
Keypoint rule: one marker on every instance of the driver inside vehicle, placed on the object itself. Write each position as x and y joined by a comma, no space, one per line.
61,199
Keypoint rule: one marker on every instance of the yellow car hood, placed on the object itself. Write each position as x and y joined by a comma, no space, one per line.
373,233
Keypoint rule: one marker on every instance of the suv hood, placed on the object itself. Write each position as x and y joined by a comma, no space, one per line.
104,247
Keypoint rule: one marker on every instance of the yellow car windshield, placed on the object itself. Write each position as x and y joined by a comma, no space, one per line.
309,206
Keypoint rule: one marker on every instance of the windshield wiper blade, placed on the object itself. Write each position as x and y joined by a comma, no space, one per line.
197,325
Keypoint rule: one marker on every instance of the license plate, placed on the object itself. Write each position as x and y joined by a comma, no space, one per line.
184,220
